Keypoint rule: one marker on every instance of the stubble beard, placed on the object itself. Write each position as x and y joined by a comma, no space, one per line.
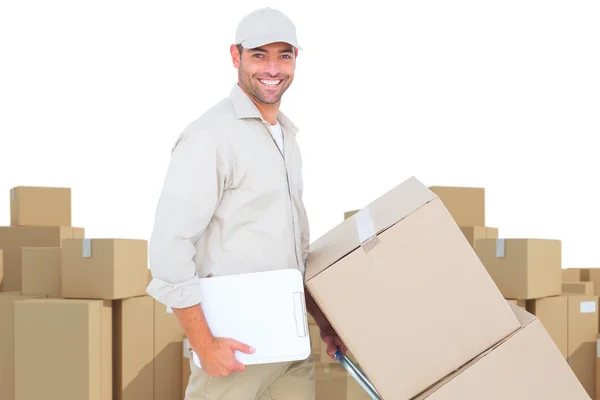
253,87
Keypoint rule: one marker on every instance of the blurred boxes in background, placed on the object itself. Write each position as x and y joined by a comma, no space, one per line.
334,383
7,339
523,268
168,340
572,323
77,322
597,368
578,288
474,233
591,275
40,206
465,204
133,327
348,214
1,269
40,269
571,275
13,238
63,349
107,269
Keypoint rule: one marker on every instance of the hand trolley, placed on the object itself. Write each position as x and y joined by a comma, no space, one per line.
357,374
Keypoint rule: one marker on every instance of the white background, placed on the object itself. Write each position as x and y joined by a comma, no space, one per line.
503,95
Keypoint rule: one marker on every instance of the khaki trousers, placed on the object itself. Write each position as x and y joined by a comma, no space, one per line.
275,381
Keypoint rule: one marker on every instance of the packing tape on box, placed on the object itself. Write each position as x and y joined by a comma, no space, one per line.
500,248
586,307
12,193
86,249
367,235
597,348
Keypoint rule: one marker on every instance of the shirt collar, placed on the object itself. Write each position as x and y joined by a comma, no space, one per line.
245,108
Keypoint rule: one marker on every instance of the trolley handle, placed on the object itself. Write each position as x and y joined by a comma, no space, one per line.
357,374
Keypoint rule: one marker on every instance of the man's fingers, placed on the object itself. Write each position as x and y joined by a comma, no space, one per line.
329,341
342,346
239,367
244,348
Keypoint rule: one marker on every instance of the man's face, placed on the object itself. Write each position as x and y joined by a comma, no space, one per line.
267,71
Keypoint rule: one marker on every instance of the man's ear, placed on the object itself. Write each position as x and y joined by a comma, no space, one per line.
296,51
235,55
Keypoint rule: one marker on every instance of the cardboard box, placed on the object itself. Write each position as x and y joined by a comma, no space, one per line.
523,268
598,369
168,341
572,323
553,312
571,275
133,338
40,206
465,204
7,354
409,242
107,269
518,303
332,382
186,368
63,349
591,275
525,366
13,238
586,288
474,233
348,214
1,269
40,271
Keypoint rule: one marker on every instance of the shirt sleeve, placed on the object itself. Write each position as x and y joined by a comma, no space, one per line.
192,189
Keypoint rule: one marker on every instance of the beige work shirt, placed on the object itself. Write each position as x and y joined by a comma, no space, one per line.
231,202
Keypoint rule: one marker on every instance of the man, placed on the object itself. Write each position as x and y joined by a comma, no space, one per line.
232,203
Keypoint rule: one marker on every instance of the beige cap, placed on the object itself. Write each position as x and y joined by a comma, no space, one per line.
265,26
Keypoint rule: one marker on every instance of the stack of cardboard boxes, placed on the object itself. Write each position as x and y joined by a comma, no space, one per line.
75,321
415,283
528,272
433,302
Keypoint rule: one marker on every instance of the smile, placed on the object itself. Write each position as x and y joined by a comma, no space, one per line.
270,82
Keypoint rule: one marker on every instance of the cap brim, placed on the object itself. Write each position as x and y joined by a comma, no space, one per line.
257,42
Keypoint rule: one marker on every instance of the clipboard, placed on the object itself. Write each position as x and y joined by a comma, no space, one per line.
265,310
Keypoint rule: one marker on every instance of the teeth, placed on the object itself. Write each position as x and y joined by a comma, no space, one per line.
270,83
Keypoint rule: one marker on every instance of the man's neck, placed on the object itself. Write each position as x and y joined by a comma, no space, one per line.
269,112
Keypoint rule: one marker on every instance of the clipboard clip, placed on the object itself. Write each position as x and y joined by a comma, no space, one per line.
300,314
357,374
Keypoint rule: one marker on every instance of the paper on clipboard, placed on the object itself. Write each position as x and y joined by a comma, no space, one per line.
265,310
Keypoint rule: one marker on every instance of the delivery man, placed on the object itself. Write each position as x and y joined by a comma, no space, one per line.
232,203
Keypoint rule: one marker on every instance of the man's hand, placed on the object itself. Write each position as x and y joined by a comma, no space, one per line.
218,358
333,341
328,334
217,355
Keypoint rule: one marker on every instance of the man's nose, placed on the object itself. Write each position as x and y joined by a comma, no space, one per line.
273,67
